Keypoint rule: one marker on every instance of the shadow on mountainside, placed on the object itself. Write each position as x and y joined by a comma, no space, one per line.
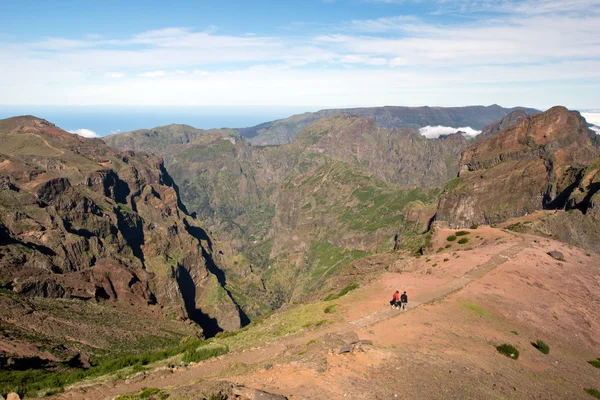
200,234
187,287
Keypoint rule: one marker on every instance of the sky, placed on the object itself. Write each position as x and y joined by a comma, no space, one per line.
327,53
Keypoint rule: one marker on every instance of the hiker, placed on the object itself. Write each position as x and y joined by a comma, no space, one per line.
403,301
395,302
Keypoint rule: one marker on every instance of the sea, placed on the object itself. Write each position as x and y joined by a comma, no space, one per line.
106,120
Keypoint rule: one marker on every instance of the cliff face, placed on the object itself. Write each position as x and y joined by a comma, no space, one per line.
533,165
79,220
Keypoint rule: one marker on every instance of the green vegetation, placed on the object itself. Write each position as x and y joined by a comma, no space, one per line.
451,238
515,333
595,363
477,309
146,393
453,184
446,259
330,309
462,233
36,380
593,392
509,351
463,240
204,353
474,226
342,292
541,346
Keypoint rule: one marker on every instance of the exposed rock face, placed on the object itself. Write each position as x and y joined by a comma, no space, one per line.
506,122
79,220
284,130
536,164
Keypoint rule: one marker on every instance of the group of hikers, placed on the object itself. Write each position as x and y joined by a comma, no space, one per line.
399,300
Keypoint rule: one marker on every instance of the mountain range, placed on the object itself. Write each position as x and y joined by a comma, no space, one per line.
477,117
146,237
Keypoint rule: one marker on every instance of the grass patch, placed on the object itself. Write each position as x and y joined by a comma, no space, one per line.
37,380
515,333
204,353
451,238
477,309
462,233
463,240
342,292
595,363
541,346
146,393
508,350
330,309
593,392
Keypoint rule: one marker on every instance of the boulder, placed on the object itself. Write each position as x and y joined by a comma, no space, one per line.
13,396
556,255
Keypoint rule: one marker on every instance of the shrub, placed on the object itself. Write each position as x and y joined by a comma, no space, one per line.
474,226
342,292
463,241
446,259
541,346
509,351
515,333
462,233
451,238
330,309
448,245
204,353
595,363
593,392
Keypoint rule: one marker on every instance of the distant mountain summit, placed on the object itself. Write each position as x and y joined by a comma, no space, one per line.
477,117
545,161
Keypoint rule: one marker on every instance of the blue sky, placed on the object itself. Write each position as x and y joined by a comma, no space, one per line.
304,52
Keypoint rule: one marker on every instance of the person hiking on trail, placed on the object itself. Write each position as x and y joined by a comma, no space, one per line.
395,303
403,301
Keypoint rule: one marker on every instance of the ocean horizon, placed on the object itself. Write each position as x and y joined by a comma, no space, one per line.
107,120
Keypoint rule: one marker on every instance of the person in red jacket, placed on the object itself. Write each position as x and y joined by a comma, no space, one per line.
395,303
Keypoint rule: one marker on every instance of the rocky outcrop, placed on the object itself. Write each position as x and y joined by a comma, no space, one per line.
536,164
506,122
79,220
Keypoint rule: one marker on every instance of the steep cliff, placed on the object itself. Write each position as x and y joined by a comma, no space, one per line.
536,164
79,220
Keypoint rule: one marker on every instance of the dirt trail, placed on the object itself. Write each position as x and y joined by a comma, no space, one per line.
212,367
448,288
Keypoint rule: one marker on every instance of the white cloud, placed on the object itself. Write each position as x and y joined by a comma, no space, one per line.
593,118
435,131
153,74
531,52
114,75
84,132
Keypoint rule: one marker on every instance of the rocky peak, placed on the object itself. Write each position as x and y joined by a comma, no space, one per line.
532,165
